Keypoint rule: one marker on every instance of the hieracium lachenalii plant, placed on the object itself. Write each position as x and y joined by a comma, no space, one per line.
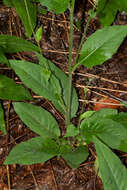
106,128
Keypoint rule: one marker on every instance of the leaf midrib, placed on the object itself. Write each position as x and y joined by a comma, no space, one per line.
110,38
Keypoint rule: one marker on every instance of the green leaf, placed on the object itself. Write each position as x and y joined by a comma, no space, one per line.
107,10
122,119
86,114
13,44
71,131
27,12
75,157
33,151
34,77
38,120
109,131
3,58
38,34
112,171
58,6
2,121
63,79
105,113
101,45
9,90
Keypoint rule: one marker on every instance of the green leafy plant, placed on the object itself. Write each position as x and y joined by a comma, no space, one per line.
106,128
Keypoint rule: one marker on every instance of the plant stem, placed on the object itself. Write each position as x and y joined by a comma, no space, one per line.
69,95
81,43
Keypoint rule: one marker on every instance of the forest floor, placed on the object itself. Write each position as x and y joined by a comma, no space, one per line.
111,77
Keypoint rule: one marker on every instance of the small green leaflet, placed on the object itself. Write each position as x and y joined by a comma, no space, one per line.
9,90
2,121
112,172
38,34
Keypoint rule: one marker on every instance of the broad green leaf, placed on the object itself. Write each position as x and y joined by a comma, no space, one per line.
71,131
58,6
63,79
38,120
13,44
109,131
27,12
75,157
101,45
112,171
34,77
107,10
33,151
2,121
38,34
9,90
